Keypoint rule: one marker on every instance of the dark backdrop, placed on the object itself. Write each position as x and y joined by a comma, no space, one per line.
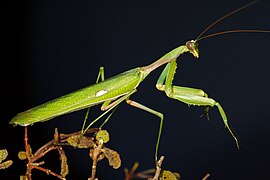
55,47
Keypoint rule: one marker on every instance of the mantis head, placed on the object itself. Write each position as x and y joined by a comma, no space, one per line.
193,48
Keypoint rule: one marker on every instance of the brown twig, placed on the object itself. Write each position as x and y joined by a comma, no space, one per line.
140,175
32,158
27,147
95,155
129,174
206,176
145,174
158,168
64,137
49,147
48,171
42,151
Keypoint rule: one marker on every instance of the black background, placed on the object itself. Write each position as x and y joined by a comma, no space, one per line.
54,47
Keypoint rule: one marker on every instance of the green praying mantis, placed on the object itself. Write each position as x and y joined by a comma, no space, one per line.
113,91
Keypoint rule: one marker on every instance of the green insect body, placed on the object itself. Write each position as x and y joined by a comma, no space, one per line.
113,91
121,87
109,89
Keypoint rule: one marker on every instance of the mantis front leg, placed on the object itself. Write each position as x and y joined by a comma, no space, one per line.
188,95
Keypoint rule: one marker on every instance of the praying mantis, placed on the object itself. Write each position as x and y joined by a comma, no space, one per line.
113,91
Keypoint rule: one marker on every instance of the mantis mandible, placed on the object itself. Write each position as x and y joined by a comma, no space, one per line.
111,92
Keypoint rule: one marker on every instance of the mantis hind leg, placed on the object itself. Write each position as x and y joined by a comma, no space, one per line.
160,115
187,95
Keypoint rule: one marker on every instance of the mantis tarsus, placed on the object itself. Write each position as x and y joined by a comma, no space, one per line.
111,92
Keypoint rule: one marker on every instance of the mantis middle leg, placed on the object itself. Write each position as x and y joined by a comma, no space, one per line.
188,95
100,78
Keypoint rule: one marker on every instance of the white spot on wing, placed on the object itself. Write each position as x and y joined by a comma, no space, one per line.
101,92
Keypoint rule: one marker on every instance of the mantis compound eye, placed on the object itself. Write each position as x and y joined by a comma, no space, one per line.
193,48
190,45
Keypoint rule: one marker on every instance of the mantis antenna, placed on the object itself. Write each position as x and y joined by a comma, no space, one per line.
230,31
235,31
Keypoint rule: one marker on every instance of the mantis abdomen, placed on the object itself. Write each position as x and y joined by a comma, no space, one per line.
109,89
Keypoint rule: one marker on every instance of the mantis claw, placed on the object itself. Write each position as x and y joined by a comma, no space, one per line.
205,113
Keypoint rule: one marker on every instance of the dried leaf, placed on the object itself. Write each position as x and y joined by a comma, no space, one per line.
22,177
5,164
165,174
80,141
103,135
22,155
177,175
113,157
64,165
3,154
